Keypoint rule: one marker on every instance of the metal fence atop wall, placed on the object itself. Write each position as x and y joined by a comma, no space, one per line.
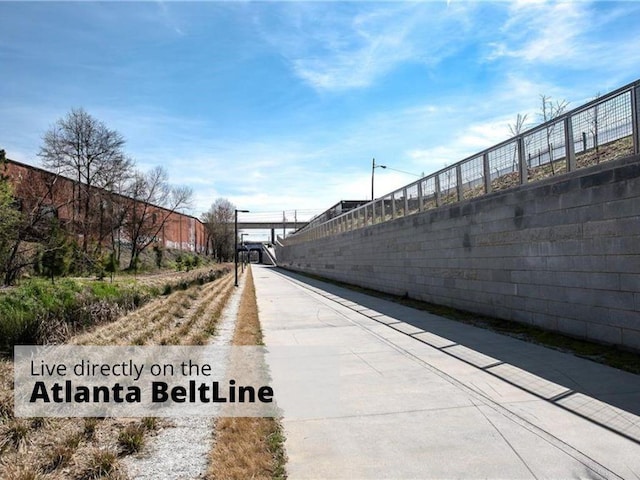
599,131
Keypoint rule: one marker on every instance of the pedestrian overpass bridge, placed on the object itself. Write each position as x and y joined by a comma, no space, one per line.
272,226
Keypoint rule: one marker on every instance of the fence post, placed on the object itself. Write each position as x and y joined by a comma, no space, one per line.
522,164
420,199
635,118
570,148
406,202
459,181
393,205
437,192
487,173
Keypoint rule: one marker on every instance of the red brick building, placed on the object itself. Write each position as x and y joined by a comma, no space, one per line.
36,188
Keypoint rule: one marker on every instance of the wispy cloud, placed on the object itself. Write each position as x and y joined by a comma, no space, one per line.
169,19
343,49
542,31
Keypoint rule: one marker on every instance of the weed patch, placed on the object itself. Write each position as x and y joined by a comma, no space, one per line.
131,439
21,472
57,457
100,463
14,435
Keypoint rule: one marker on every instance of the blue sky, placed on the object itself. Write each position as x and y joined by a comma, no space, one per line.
282,105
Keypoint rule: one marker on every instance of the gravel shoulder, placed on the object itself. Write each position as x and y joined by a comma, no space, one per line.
180,449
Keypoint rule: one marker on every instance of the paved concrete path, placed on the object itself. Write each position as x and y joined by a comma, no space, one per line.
425,397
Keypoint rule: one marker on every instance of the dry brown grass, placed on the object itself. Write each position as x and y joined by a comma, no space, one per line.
21,472
78,448
248,331
177,318
99,463
244,449
171,278
247,447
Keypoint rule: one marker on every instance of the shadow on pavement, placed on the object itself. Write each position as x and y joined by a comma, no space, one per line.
596,392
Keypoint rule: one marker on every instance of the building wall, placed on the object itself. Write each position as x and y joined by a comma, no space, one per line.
184,233
181,231
563,254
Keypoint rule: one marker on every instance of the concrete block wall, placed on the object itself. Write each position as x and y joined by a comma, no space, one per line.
563,254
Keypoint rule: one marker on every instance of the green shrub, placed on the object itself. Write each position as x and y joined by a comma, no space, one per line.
39,312
159,254
188,262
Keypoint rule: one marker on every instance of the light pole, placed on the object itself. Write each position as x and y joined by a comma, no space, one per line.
235,256
244,257
373,169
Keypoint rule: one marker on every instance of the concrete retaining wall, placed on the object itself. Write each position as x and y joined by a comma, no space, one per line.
563,254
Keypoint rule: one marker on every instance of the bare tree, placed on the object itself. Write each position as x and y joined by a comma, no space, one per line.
550,111
9,221
153,201
218,221
599,116
515,129
28,215
117,215
84,149
519,126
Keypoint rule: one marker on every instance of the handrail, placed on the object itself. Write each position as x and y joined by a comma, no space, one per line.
515,161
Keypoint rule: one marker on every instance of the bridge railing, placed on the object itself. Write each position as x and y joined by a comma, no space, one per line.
599,131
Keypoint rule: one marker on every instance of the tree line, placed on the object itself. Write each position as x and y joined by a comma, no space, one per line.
111,206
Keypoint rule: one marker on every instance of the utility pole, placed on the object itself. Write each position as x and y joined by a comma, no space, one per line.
373,169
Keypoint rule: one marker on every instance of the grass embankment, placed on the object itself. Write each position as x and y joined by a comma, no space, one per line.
248,447
39,312
90,448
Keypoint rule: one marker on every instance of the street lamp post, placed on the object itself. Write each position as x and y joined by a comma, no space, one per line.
373,169
236,242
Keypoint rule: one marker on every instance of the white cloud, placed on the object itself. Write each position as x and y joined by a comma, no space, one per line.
538,31
467,141
345,50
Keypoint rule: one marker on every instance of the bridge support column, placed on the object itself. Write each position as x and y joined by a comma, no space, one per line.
273,236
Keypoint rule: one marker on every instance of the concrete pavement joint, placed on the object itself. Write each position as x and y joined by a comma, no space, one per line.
513,449
367,363
381,414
